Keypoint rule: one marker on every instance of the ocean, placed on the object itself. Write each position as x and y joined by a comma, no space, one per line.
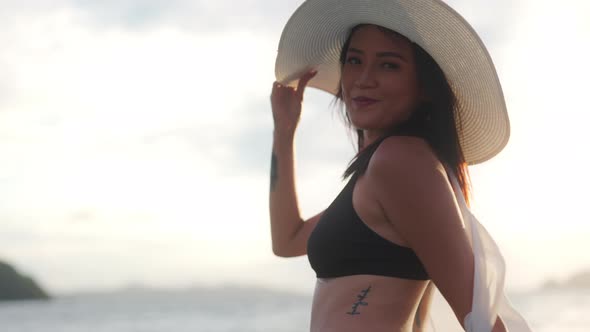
235,309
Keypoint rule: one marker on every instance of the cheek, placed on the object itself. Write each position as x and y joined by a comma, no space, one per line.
344,84
405,94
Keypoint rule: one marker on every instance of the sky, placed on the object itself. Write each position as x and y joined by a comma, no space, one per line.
135,140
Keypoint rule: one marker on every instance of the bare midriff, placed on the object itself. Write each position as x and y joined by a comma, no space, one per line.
366,303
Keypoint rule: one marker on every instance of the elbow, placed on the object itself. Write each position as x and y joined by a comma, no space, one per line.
281,254
282,251
279,251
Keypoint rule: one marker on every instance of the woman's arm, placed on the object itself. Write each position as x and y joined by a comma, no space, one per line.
413,189
288,230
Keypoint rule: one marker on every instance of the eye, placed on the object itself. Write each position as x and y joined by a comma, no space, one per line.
390,65
353,60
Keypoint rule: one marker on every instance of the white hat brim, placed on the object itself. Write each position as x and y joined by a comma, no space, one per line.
314,35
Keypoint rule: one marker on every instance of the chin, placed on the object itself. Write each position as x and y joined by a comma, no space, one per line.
373,124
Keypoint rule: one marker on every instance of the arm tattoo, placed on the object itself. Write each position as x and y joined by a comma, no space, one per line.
273,172
361,297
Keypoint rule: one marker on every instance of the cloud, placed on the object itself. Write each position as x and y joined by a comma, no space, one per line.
494,22
80,89
200,16
204,16
128,13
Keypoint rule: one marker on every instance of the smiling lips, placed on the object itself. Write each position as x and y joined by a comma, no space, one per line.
363,101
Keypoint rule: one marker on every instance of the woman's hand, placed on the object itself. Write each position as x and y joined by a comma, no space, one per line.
286,104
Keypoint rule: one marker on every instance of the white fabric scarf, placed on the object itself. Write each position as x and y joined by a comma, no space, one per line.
489,299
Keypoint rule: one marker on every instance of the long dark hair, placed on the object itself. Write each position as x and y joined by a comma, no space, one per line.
434,119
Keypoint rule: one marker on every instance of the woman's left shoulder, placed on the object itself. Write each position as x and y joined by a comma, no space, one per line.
403,156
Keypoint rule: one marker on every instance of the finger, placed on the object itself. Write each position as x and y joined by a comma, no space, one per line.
305,78
303,82
276,85
274,92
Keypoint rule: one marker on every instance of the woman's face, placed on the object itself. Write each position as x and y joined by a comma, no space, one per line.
379,81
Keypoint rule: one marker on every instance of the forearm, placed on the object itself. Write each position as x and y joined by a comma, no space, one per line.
285,218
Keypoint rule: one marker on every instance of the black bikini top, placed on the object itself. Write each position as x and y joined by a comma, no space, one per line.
342,245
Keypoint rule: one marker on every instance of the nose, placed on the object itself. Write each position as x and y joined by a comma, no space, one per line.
366,79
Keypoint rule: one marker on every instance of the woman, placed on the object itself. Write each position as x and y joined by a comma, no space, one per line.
400,227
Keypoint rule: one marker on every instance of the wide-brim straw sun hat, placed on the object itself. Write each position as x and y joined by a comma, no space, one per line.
314,35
